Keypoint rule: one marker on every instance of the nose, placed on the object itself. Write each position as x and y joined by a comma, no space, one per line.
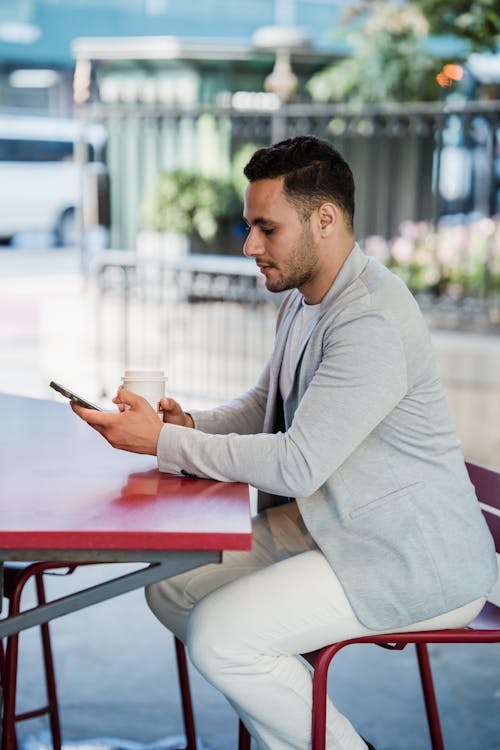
253,245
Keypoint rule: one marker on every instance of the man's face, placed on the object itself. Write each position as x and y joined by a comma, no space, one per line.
282,244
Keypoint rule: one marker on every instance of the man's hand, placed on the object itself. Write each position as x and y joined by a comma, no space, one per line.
173,413
136,428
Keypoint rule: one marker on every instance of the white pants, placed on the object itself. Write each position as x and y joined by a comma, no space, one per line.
245,620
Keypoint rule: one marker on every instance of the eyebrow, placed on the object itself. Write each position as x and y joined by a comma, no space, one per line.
259,221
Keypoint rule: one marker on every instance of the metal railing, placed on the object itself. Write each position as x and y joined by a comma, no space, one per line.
205,320
413,161
211,326
209,323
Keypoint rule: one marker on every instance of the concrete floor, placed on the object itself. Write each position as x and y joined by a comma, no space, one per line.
115,662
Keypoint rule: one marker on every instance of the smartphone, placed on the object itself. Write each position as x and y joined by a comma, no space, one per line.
73,396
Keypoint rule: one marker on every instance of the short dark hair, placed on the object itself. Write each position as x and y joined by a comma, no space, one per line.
313,170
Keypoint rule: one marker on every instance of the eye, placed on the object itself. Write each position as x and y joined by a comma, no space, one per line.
267,232
244,229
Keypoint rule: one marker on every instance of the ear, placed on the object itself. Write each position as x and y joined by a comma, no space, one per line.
327,216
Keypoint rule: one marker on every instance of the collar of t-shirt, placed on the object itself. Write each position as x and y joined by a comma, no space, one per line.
301,327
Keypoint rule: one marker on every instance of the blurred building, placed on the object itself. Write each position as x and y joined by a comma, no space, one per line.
210,43
178,86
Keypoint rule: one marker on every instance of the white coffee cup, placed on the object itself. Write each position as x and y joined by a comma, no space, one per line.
150,384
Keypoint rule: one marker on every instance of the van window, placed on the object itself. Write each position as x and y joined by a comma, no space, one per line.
17,149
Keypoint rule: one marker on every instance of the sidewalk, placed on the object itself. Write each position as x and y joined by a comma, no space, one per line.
115,662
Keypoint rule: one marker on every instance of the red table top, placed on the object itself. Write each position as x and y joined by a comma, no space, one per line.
62,487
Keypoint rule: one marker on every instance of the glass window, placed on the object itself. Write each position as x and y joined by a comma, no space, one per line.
16,149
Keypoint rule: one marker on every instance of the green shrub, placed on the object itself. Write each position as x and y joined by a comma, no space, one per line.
191,204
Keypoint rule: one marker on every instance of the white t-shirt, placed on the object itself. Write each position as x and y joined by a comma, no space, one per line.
302,325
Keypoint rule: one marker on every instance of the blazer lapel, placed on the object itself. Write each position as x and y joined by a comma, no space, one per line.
279,347
305,338
351,269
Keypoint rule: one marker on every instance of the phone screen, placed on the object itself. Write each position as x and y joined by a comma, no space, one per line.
73,396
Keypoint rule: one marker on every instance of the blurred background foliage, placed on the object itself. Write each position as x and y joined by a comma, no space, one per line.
206,208
477,22
192,204
388,60
392,59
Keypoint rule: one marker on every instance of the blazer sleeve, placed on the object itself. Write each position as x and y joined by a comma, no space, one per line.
360,378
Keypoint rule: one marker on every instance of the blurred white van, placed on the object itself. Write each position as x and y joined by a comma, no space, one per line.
40,181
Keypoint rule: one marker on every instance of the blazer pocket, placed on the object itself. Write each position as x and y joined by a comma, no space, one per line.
390,497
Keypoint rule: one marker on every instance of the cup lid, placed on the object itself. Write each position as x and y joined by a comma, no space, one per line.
143,374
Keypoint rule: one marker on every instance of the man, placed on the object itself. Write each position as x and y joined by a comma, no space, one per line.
367,520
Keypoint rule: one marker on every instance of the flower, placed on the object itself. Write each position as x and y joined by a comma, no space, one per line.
377,247
402,249
455,260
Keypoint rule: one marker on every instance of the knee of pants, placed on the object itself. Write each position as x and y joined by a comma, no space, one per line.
162,600
212,640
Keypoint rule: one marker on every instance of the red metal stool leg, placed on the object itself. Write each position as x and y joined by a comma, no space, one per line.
244,738
321,664
431,708
187,703
2,687
50,678
9,740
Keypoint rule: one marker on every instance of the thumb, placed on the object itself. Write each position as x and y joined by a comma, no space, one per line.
172,412
168,404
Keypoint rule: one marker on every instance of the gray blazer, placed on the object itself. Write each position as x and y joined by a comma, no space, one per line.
367,449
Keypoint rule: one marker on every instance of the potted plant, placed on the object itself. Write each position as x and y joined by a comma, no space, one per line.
200,210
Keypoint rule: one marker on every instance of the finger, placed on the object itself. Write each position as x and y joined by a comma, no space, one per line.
129,398
93,416
117,399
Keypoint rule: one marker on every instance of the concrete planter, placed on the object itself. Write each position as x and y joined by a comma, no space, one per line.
160,246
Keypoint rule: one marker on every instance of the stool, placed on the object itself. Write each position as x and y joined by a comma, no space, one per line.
16,576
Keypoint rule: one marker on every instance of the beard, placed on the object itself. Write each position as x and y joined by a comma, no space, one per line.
300,266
